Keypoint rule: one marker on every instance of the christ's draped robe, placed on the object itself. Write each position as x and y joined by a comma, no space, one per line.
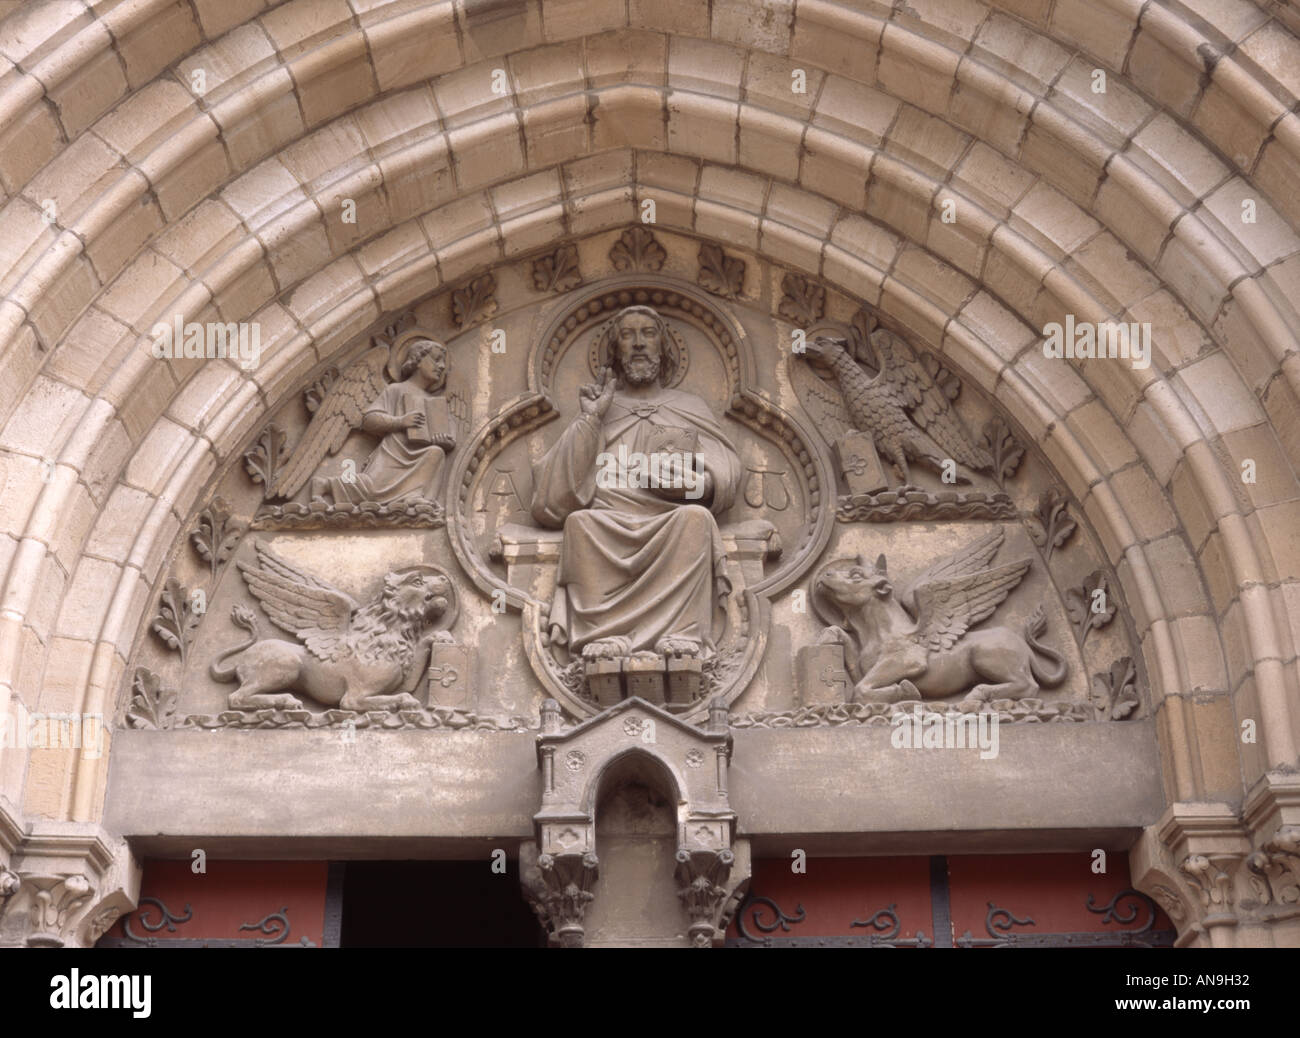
635,564
398,469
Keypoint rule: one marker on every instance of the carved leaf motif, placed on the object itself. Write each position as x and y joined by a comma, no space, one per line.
1054,519
1087,608
151,706
802,301
475,302
262,460
217,536
636,249
720,274
1114,695
176,619
1003,448
315,393
557,272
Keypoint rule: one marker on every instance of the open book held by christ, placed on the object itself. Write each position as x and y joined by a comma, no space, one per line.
668,439
437,421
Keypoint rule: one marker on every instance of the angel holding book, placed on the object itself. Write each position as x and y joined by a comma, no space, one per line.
415,423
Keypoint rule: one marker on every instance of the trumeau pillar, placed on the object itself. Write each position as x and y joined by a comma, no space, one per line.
1227,878
560,871
62,884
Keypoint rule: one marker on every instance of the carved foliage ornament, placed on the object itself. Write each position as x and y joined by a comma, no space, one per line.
1276,868
557,271
474,302
720,274
637,249
152,705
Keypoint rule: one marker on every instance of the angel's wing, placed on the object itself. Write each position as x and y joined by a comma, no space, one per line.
925,402
340,411
458,408
319,615
947,609
821,399
973,558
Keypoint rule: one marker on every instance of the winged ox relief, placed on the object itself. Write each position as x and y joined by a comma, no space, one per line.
919,641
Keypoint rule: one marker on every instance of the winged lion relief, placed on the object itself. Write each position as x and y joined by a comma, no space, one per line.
350,656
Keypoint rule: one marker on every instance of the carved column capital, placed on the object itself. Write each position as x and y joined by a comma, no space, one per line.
1276,868
701,878
1211,880
1191,863
54,906
1225,880
66,884
566,892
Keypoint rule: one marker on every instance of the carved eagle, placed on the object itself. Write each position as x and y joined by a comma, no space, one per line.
906,414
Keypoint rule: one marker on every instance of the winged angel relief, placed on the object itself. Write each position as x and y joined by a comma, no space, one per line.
416,425
918,644
352,657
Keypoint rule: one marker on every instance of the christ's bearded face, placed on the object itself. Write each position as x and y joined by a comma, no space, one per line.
639,344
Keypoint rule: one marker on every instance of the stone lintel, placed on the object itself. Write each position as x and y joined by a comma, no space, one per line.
469,787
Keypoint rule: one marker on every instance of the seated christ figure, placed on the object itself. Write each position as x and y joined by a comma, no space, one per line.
635,481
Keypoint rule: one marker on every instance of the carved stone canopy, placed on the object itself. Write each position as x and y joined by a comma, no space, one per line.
560,869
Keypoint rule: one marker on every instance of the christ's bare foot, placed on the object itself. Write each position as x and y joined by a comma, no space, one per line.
606,649
676,645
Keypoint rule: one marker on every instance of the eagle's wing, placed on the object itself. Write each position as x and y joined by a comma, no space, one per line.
821,399
339,412
976,556
947,609
319,615
926,403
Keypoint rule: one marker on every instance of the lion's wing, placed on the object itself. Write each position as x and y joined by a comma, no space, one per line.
339,413
319,615
947,609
